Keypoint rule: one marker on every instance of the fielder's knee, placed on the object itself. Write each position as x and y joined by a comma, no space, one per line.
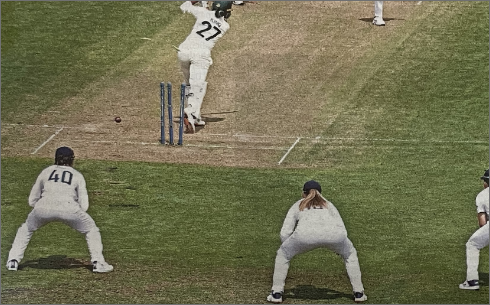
472,245
91,230
285,255
25,227
350,255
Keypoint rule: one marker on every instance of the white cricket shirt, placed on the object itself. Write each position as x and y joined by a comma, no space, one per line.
482,201
59,183
312,220
206,31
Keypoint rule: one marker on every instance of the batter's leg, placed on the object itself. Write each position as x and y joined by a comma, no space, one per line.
200,63
194,102
378,13
198,73
185,66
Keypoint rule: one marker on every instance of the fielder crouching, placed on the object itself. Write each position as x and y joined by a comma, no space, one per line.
314,222
478,240
59,194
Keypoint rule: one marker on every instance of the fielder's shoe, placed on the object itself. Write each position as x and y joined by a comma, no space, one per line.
360,297
189,122
239,2
275,297
102,267
470,285
13,265
378,21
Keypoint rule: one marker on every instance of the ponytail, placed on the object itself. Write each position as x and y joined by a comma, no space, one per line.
313,199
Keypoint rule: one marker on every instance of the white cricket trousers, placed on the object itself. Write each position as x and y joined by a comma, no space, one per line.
378,9
304,242
65,213
194,64
477,241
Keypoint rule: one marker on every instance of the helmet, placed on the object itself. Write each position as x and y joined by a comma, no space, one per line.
485,176
310,185
222,8
64,156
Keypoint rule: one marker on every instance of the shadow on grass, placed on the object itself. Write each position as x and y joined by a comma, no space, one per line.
310,292
483,281
55,262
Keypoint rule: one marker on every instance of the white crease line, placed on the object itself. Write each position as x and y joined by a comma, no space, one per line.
42,126
419,3
292,137
317,141
49,139
262,136
185,145
115,142
356,139
290,148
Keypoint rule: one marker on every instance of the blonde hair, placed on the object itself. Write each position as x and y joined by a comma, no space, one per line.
313,199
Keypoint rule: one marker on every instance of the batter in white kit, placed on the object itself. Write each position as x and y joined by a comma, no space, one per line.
195,54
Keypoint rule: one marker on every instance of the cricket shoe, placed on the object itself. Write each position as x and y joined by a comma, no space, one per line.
360,297
275,297
199,122
470,285
378,21
13,265
189,122
102,267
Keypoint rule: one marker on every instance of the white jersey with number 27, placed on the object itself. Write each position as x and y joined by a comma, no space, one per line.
206,31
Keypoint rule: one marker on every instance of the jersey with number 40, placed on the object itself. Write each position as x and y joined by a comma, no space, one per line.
207,29
59,183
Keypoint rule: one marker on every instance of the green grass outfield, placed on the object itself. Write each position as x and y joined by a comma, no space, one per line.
179,233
